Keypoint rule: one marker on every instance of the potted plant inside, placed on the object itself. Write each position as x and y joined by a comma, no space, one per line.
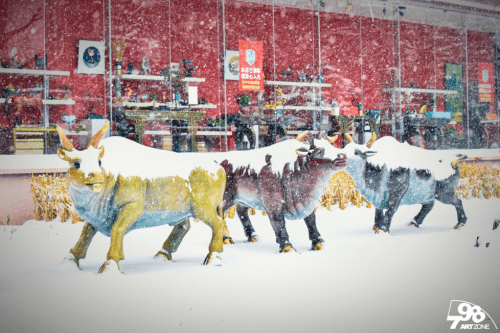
243,101
175,79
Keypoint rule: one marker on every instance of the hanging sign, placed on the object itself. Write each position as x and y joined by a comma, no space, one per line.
485,82
250,59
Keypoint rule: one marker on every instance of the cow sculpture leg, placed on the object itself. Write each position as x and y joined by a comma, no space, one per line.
314,236
209,192
457,203
242,212
174,240
379,218
419,218
79,251
127,215
278,224
398,183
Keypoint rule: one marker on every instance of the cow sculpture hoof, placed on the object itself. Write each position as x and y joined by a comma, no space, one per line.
379,229
164,255
318,245
213,259
458,226
228,240
414,224
252,238
68,263
109,266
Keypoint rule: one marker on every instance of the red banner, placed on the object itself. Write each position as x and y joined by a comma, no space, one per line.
251,74
485,82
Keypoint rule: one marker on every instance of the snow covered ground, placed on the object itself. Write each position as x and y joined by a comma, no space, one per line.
359,282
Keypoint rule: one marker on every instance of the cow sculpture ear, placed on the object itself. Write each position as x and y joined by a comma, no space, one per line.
62,154
302,151
369,153
364,154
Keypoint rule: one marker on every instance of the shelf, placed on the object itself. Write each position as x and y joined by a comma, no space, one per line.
203,106
298,84
213,133
33,72
303,107
157,78
149,104
49,101
421,91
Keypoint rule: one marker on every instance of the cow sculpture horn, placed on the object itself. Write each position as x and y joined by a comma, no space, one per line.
94,142
309,136
349,137
372,140
65,143
461,157
330,139
302,135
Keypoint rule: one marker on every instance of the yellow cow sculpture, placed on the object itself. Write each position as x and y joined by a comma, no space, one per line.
117,185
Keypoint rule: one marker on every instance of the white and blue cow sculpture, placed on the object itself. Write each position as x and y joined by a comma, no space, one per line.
400,174
117,185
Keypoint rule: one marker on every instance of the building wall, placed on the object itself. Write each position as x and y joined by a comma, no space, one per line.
360,51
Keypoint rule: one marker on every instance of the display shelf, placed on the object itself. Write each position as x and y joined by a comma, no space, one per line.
48,101
46,74
213,133
31,139
298,84
303,108
40,72
421,91
153,104
157,78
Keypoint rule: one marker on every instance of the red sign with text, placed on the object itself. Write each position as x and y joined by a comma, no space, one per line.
251,74
485,82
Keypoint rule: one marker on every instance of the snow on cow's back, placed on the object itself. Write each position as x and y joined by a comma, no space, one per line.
128,158
396,154
281,153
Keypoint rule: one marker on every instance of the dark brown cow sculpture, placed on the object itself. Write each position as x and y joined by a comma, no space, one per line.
286,180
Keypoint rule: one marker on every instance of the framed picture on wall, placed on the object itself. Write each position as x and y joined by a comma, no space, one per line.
453,81
232,65
90,57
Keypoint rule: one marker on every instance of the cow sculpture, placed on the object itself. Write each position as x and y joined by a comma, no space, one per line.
401,174
117,185
274,179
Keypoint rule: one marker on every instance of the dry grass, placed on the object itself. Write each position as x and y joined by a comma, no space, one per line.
478,180
51,198
341,191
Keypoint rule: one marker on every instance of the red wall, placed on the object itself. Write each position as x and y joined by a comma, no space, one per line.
359,53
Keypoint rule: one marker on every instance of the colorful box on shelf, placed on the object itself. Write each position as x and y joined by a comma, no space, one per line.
438,115
373,112
491,116
349,111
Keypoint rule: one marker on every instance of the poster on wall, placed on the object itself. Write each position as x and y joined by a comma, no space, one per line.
90,57
485,82
250,62
232,65
453,81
